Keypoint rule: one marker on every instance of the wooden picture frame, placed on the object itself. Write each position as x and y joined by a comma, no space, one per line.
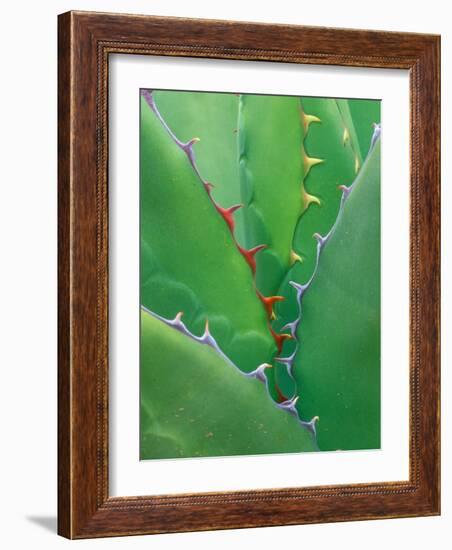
86,40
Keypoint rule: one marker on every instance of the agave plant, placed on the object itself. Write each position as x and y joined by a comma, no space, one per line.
260,274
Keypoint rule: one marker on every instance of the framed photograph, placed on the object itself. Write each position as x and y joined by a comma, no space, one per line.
248,275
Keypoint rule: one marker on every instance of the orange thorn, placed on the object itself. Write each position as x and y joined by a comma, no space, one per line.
249,255
227,214
280,338
268,302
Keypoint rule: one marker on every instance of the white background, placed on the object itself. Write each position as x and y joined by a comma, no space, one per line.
28,274
128,476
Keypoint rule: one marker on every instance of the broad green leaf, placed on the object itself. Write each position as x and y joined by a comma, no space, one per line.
337,367
331,158
365,113
189,260
330,141
213,118
194,403
271,175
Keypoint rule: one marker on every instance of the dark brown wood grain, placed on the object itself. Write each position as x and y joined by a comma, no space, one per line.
64,295
85,508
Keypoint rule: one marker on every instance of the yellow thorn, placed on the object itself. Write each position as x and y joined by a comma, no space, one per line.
309,162
294,257
307,199
357,164
308,120
193,141
345,137
273,316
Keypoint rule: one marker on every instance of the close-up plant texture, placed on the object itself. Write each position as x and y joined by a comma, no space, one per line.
260,274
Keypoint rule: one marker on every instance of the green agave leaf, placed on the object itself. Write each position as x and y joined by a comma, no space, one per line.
213,118
337,367
351,135
330,140
331,158
271,133
271,175
364,113
194,403
189,260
